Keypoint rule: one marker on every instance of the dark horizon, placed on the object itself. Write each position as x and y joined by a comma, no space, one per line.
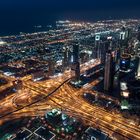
20,16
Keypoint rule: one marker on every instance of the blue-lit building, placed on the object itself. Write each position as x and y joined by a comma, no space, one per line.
125,62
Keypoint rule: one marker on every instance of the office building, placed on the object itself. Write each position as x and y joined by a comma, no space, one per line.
76,52
125,62
125,33
138,69
51,65
75,63
65,59
96,49
67,56
104,49
94,134
122,35
94,52
138,37
109,72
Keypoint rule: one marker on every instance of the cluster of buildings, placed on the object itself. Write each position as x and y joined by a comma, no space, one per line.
115,43
120,59
55,125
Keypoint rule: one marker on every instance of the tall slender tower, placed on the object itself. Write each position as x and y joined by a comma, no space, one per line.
104,50
109,72
75,53
51,65
138,70
76,64
65,59
96,48
138,37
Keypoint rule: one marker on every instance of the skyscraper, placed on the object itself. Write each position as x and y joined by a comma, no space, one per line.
51,65
96,49
76,52
138,69
67,56
104,49
138,37
76,64
65,59
125,62
109,72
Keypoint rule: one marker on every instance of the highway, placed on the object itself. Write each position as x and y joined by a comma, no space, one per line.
58,93
34,91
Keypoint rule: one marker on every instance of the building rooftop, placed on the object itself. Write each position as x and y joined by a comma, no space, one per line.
94,134
44,133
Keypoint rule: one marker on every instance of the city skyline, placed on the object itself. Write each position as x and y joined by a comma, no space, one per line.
70,70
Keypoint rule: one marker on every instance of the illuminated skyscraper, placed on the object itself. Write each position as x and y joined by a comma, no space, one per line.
138,70
67,56
104,49
125,62
109,72
76,64
75,53
96,50
138,37
123,34
124,37
98,45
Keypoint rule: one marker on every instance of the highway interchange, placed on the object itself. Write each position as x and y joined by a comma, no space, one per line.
35,98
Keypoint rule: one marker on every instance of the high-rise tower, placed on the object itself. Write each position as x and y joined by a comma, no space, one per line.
109,72
75,63
138,69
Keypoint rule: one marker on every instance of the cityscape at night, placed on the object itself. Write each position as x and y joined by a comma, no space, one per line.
73,78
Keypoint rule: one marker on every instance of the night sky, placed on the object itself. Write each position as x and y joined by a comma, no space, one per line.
22,14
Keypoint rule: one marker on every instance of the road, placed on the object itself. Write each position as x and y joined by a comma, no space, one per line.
68,98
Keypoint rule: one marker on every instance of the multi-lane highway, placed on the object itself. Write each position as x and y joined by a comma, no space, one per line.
34,91
57,92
